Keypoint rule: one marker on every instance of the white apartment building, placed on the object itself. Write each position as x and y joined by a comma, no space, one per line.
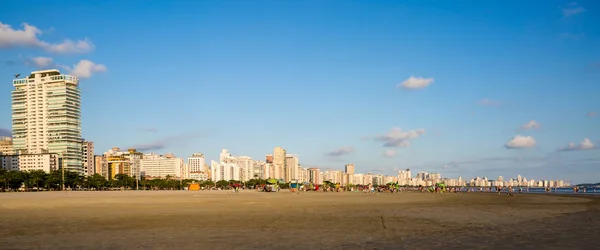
334,176
435,177
268,171
88,158
358,179
368,179
279,155
29,162
225,171
159,166
314,175
225,155
197,163
291,168
302,174
404,177
246,165
259,169
349,169
185,171
46,112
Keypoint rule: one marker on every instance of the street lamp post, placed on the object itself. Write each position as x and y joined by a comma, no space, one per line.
63,170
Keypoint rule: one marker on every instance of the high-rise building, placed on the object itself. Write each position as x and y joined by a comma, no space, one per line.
349,168
88,158
313,175
422,175
100,165
302,174
246,165
197,163
291,168
279,163
225,155
196,168
46,114
259,170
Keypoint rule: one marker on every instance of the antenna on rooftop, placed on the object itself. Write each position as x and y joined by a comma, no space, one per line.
17,75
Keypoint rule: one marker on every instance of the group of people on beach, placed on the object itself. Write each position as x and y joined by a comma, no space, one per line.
577,190
394,188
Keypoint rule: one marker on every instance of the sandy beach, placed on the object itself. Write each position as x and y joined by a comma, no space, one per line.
254,220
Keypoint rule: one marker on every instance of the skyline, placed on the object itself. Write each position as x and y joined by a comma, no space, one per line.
478,91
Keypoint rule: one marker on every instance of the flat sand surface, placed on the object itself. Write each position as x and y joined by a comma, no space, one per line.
312,220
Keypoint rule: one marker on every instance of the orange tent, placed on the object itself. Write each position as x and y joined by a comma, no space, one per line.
194,187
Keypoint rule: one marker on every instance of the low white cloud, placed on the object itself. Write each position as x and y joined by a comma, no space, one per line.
489,102
416,83
40,62
586,144
341,151
29,37
592,114
572,10
520,142
531,125
396,138
389,153
85,69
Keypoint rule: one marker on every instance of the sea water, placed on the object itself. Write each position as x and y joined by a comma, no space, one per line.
589,191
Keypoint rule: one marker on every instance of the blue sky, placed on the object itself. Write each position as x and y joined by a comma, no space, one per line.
323,79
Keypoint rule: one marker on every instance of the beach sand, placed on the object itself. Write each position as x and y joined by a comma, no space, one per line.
254,220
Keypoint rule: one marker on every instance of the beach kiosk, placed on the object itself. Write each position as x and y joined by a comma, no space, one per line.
272,185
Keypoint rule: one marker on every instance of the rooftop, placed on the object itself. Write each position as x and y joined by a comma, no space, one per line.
46,71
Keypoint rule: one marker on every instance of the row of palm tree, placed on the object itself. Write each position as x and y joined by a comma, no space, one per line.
39,180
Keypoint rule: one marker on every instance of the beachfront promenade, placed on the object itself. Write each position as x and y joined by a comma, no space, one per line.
313,220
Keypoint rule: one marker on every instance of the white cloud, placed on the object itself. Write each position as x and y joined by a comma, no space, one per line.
389,153
415,83
521,142
28,37
488,102
531,125
592,114
41,62
69,46
85,69
586,144
572,10
341,151
397,138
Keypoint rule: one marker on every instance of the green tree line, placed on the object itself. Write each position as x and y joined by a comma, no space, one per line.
39,180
